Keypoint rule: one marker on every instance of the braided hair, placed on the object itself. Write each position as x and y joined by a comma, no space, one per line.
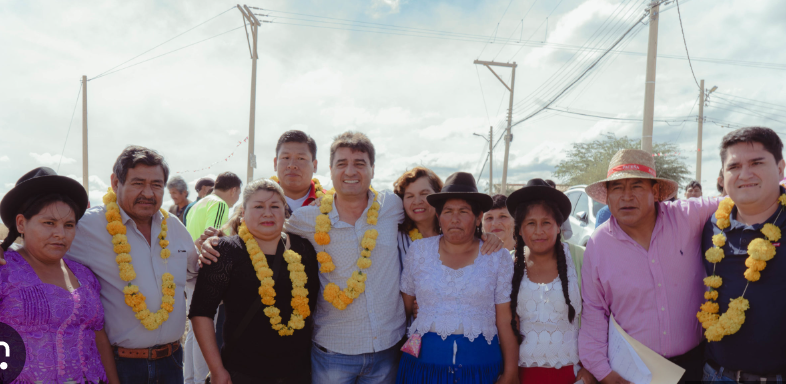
519,264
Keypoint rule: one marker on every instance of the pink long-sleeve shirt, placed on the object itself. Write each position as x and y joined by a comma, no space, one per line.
654,294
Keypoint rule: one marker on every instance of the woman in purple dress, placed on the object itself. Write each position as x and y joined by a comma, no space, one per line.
52,303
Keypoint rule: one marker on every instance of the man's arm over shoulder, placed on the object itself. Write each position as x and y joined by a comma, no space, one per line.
696,211
302,221
593,334
392,205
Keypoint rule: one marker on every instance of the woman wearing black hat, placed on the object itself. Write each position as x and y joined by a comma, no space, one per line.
463,297
545,295
54,304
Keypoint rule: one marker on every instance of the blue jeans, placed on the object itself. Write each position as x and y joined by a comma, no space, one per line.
713,376
367,368
168,370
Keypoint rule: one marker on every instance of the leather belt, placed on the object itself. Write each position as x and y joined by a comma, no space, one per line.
744,377
152,353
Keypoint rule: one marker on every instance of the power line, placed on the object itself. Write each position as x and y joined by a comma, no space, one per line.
536,29
497,29
751,101
189,30
675,119
691,111
69,126
686,46
164,54
485,107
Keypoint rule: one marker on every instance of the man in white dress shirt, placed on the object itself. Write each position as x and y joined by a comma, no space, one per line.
143,356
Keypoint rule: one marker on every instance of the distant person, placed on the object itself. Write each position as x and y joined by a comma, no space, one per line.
210,211
295,164
604,214
693,190
178,191
499,221
204,187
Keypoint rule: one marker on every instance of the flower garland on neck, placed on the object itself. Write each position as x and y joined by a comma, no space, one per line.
414,234
759,251
317,186
356,283
297,275
134,298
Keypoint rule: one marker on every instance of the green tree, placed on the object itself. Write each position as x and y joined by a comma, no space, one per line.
588,162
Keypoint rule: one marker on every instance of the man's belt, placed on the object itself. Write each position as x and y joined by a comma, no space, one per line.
743,377
152,353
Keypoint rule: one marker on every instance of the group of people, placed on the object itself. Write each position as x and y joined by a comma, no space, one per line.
433,282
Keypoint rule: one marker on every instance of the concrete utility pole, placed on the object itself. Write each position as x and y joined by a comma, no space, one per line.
701,126
491,160
252,20
649,85
508,136
85,175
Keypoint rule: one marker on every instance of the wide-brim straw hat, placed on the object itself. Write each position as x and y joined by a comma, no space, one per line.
38,182
461,185
538,189
632,164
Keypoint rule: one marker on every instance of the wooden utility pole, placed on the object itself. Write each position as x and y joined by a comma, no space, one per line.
252,20
508,136
85,175
649,85
701,126
491,160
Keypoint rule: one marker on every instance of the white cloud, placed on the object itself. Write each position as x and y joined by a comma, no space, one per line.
232,132
4,158
48,159
385,7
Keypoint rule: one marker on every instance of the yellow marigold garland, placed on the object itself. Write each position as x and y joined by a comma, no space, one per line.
297,274
759,251
414,234
356,283
134,298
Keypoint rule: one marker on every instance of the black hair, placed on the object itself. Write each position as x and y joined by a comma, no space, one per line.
34,206
693,184
519,265
205,181
498,202
476,210
134,155
764,136
227,180
295,136
719,186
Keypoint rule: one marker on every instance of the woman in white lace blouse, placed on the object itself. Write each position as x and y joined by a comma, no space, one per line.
545,295
463,296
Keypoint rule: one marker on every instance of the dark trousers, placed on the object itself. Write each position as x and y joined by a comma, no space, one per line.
693,362
168,370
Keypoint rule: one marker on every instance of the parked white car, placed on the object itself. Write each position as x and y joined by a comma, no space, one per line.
582,215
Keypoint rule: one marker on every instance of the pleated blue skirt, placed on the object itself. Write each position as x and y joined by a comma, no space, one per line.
472,362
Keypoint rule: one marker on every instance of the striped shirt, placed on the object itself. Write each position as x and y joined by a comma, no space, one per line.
211,211
374,322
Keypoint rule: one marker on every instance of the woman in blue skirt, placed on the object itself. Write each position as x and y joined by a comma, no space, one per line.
463,297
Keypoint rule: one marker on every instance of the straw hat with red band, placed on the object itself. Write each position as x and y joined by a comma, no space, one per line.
632,164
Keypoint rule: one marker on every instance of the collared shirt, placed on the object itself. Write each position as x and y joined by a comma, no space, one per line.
92,246
175,210
304,201
374,321
654,294
759,347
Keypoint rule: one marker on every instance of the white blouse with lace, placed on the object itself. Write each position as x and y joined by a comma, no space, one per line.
456,300
550,339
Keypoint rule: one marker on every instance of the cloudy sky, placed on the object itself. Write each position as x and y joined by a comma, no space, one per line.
414,91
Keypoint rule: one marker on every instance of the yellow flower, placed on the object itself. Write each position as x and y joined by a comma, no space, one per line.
713,281
711,295
371,234
162,235
415,234
299,291
723,223
122,248
168,300
761,249
142,314
782,199
375,206
739,304
344,298
372,214
130,289
772,232
359,276
163,243
731,321
116,228
719,240
272,311
714,333
168,291
298,301
372,220
365,253
123,258
274,178
707,319
368,243
710,307
304,311
725,206
168,277
331,292
110,196
714,255
268,301
113,216
752,275
267,282
756,265
126,272
364,263
323,257
322,238
340,305
327,267
165,253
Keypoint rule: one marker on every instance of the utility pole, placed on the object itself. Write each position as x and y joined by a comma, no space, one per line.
508,136
649,85
85,175
701,126
491,160
252,20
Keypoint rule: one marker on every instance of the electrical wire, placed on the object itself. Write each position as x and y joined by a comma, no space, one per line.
69,126
536,29
752,101
485,107
686,46
497,29
691,111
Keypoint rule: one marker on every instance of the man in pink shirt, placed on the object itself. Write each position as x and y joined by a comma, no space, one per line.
644,266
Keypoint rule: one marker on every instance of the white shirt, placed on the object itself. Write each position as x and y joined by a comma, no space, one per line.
456,300
92,246
294,205
374,321
550,339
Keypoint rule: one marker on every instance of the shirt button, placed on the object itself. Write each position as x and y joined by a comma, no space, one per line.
653,260
664,332
662,309
659,284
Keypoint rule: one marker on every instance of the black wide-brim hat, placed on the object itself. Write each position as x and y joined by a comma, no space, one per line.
461,185
537,189
38,182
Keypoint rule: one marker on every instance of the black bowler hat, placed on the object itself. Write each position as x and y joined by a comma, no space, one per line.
461,185
537,189
38,182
